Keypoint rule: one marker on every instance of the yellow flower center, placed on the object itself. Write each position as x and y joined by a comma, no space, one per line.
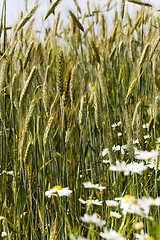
149,238
134,201
154,163
106,151
127,196
57,187
88,201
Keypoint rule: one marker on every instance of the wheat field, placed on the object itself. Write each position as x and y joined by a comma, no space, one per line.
80,125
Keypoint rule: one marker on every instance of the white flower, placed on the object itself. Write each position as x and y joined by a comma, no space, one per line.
138,225
135,141
91,185
89,202
120,167
127,168
104,152
119,148
111,235
146,155
119,123
146,136
116,148
106,161
152,164
143,236
114,125
119,134
115,215
145,125
137,167
4,234
129,204
58,189
93,219
7,172
158,140
78,238
111,203
145,203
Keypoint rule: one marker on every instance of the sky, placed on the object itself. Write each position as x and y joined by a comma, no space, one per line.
14,8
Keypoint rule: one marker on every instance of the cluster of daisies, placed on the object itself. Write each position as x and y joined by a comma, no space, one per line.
127,204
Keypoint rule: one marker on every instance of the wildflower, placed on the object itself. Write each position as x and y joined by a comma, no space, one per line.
116,125
121,167
145,203
58,189
129,204
111,235
146,136
136,141
4,234
111,203
138,225
137,167
146,155
91,185
127,168
104,152
93,219
89,202
158,140
145,125
78,238
119,148
119,134
115,215
106,161
143,236
7,172
152,164
116,148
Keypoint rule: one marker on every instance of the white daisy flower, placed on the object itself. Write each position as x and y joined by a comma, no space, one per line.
78,238
146,136
89,202
145,155
4,235
143,236
116,148
111,235
114,125
145,125
152,164
158,140
104,152
115,215
135,141
119,123
138,226
93,219
58,189
111,203
119,134
137,167
91,185
145,203
120,167
106,161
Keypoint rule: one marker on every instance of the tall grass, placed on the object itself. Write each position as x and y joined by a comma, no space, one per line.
59,99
